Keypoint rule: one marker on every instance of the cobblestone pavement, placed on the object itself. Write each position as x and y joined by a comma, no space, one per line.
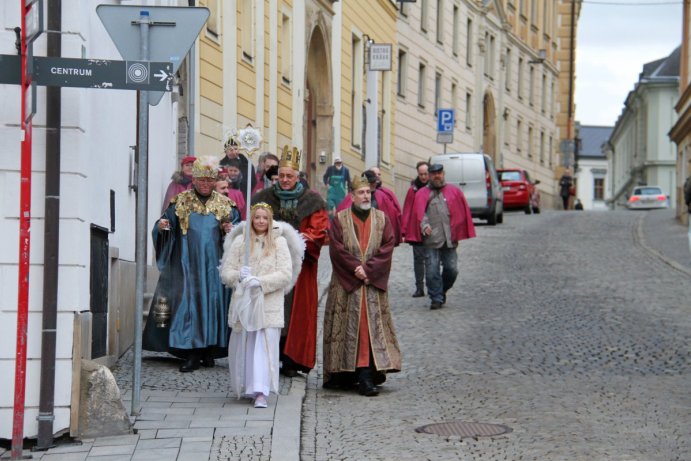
561,326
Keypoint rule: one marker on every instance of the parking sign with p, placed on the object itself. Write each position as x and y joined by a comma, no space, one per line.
445,120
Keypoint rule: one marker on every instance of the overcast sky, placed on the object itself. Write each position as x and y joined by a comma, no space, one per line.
615,38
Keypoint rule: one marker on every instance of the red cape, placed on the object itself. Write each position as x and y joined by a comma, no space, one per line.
461,220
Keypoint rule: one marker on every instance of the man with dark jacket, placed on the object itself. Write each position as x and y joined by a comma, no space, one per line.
232,152
418,249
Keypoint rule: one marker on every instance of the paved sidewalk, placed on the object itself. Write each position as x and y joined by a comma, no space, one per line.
192,416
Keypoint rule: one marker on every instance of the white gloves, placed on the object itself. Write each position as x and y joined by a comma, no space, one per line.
251,282
244,272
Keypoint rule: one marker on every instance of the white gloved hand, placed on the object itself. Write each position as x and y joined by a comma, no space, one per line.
244,272
251,282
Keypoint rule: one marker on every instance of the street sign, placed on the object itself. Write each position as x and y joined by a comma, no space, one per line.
34,20
172,31
445,120
91,73
445,138
380,56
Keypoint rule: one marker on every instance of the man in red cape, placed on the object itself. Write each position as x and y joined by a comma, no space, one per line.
305,210
440,219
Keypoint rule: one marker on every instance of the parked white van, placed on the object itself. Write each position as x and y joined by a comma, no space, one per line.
475,174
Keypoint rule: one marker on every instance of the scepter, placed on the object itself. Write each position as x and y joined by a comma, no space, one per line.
249,140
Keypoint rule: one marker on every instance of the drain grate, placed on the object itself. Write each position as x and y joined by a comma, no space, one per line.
464,429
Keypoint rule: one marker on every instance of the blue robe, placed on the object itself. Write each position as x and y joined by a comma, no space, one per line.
187,257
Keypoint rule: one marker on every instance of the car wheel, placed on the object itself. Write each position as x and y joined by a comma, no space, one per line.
492,218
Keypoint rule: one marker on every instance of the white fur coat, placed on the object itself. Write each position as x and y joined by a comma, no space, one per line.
277,273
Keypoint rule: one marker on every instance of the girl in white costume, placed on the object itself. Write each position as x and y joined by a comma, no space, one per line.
256,310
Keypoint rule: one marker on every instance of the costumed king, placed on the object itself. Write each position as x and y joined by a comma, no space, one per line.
188,240
305,211
360,343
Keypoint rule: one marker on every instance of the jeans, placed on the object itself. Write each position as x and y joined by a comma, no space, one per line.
419,252
439,281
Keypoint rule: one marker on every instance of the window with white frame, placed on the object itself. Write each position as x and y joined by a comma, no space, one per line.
468,111
437,93
598,188
440,21
286,48
456,25
531,85
247,29
543,91
519,85
214,21
530,142
424,7
542,147
454,95
469,43
519,136
508,68
421,86
402,72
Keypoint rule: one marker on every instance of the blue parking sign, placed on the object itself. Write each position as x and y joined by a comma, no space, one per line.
445,120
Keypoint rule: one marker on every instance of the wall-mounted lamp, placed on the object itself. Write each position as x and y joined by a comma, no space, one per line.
541,56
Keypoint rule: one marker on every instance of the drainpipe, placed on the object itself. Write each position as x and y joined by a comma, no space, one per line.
51,238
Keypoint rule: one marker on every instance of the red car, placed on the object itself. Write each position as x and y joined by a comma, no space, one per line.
519,190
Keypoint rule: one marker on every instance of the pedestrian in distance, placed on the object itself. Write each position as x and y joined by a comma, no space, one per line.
256,311
440,219
232,152
359,340
305,211
223,187
264,180
687,200
578,205
337,181
180,181
566,188
418,248
188,240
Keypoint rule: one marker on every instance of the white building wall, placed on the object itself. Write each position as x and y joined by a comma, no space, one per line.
98,130
588,170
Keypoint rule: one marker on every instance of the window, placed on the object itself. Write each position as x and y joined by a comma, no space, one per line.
469,44
402,67
519,86
422,71
549,152
545,15
213,21
542,148
440,21
507,131
403,8
530,142
531,83
507,73
423,15
356,92
490,57
598,188
437,93
519,136
543,90
286,48
533,12
247,31
454,38
453,95
521,7
468,111
551,99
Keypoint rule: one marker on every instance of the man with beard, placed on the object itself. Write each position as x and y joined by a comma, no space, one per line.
360,343
188,240
180,181
305,210
440,219
418,249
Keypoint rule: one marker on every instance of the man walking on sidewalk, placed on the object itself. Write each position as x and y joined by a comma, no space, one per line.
418,249
442,217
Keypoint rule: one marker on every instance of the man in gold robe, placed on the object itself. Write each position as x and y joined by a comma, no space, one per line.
360,343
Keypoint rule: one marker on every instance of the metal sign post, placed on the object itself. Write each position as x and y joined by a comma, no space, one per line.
167,36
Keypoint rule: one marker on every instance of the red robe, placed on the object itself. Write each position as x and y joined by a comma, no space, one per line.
461,220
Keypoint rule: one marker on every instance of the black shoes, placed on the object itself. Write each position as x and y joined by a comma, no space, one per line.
419,293
366,385
435,305
191,364
208,362
288,372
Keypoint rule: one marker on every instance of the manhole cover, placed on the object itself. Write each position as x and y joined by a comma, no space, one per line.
464,429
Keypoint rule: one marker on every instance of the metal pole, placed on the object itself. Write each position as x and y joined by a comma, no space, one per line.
24,251
142,194
246,260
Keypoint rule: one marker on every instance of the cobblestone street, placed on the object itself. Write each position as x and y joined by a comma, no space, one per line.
560,326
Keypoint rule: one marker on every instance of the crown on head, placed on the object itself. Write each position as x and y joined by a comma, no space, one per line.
290,158
205,166
231,141
359,181
264,205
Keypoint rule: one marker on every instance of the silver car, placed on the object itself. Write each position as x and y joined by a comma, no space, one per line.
646,198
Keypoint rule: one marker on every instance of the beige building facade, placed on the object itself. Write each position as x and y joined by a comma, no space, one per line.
498,64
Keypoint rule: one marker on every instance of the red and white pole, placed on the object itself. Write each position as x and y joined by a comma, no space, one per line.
24,247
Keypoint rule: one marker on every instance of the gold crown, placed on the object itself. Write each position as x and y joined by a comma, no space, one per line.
290,158
205,166
264,205
359,181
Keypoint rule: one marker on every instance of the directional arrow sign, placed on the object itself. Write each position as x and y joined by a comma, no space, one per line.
172,31
92,73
